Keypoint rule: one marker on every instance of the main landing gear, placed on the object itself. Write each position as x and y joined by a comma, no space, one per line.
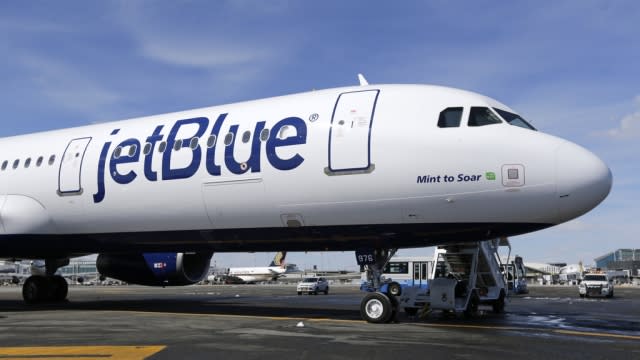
379,305
44,286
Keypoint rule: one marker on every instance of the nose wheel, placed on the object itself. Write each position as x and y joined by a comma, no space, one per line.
377,308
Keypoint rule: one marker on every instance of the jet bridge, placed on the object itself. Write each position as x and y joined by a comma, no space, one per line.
465,276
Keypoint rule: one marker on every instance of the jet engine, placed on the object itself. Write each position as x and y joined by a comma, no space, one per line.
155,269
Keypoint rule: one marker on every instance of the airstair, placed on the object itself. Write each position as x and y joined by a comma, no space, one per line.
465,276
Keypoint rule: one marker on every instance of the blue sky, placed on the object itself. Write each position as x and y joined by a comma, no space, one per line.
570,67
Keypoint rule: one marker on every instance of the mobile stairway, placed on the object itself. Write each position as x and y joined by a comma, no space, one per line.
465,277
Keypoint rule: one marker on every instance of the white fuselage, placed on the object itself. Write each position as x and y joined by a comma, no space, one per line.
324,170
256,274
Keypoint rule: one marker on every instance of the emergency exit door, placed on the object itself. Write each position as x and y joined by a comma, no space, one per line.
69,178
350,133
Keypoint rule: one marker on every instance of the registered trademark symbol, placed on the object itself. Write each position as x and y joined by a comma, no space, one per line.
314,117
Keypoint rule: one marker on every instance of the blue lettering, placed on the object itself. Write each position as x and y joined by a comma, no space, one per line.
253,162
287,132
148,170
467,178
274,142
125,159
182,173
212,168
99,196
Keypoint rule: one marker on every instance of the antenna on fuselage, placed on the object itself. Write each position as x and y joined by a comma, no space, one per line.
363,81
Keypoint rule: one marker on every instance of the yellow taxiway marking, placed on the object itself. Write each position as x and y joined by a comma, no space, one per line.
582,333
79,352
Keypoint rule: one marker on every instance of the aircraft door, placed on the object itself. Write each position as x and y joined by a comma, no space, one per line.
350,133
69,182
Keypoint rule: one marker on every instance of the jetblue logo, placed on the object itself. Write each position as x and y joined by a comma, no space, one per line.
113,165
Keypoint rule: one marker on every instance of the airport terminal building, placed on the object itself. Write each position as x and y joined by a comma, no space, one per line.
621,259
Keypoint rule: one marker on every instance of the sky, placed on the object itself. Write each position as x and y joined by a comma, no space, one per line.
572,68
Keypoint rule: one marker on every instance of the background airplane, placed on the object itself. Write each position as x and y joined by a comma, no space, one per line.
276,269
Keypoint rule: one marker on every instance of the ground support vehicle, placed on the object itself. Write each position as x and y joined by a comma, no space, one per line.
465,277
313,285
596,284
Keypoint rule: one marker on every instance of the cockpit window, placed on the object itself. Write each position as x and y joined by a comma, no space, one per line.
450,117
481,116
514,119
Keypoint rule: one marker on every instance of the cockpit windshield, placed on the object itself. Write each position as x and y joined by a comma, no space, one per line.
514,119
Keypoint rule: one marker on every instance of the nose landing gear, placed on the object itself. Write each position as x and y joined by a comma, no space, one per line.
379,305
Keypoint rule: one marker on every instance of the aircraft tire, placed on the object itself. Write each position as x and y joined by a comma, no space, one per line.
34,289
376,308
60,288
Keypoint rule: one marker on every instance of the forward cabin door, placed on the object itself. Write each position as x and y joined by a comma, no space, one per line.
69,181
350,133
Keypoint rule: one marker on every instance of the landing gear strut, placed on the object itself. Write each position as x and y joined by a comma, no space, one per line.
379,305
45,286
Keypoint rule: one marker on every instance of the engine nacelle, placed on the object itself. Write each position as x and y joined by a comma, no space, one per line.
155,269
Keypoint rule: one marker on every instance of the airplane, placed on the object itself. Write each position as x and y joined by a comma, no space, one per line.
273,272
367,168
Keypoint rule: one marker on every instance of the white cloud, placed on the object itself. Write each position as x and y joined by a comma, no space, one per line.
201,41
68,88
207,54
629,126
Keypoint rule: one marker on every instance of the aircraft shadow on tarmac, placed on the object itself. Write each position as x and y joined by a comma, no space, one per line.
185,307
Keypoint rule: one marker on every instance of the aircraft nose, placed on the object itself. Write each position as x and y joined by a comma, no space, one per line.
583,180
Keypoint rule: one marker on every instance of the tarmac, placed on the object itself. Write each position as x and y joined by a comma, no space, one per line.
273,322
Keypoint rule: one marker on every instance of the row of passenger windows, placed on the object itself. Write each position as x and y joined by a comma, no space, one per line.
27,163
480,116
194,142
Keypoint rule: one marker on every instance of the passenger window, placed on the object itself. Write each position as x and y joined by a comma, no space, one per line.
27,163
4,165
133,149
177,145
117,152
246,136
286,131
450,117
211,141
52,159
162,147
16,163
194,143
481,116
39,161
147,149
228,139
264,135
